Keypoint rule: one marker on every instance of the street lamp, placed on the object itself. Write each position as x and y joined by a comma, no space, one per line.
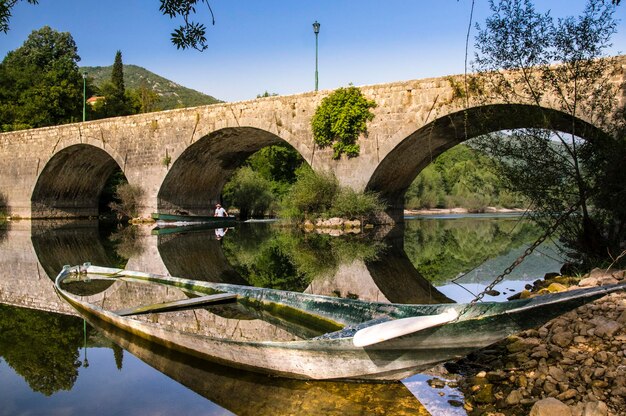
316,30
84,95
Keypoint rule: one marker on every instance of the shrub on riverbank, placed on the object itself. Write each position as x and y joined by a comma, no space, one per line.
129,197
4,211
319,195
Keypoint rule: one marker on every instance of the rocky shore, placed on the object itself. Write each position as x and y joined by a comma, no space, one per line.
574,365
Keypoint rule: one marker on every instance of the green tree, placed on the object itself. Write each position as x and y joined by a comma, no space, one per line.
277,164
117,76
116,100
143,99
460,177
40,83
249,192
340,119
554,170
316,195
426,191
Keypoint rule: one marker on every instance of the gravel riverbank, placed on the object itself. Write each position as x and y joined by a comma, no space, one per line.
573,365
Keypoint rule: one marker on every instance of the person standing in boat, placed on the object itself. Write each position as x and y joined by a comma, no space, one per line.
219,211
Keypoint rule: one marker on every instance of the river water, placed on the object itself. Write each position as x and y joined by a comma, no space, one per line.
52,363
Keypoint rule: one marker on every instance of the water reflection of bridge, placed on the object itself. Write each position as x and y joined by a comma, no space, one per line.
34,252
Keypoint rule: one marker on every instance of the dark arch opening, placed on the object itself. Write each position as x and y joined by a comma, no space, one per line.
73,182
195,180
397,171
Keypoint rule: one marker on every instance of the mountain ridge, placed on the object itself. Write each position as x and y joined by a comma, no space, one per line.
171,94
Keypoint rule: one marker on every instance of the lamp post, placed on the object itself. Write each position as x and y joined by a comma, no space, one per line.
316,30
84,95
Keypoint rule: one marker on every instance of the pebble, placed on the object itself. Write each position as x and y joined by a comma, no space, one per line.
573,365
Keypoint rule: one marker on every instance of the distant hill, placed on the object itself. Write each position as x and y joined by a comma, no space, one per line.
172,94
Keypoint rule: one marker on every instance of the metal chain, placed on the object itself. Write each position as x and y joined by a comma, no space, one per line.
521,258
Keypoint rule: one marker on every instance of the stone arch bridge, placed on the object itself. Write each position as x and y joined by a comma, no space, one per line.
182,158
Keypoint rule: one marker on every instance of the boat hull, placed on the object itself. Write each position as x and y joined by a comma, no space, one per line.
335,357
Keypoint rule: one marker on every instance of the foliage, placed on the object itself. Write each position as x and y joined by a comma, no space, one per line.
129,197
139,82
250,192
4,205
191,34
277,164
117,75
554,170
460,177
143,99
352,204
5,12
315,195
41,347
340,119
117,101
311,195
40,84
266,94
4,229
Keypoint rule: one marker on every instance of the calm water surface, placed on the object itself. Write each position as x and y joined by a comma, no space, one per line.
52,363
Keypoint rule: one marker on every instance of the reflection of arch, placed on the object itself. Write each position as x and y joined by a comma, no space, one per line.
397,171
397,278
71,182
197,256
196,178
71,242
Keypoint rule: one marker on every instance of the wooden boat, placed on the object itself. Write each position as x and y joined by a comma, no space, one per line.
252,394
332,338
159,216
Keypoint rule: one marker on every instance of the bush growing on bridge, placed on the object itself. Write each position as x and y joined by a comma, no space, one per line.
340,119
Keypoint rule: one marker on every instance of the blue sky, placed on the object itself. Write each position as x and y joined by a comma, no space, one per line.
269,45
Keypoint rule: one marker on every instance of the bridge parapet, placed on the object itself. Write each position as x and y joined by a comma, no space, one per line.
182,158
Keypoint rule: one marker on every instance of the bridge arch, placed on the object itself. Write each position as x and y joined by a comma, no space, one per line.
196,178
72,181
420,147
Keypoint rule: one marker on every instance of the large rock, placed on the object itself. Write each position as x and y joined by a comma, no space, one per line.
550,407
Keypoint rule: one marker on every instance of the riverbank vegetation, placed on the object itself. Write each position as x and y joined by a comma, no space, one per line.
319,195
559,163
461,177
